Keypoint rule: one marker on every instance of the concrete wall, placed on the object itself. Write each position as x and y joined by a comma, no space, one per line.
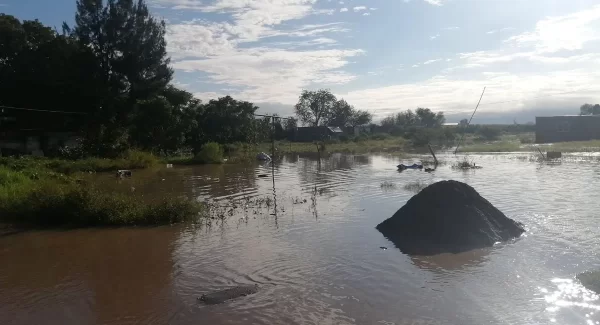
549,129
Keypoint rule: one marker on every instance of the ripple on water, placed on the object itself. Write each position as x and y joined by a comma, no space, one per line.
318,261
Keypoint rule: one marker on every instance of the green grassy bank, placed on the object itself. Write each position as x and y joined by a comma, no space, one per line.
49,192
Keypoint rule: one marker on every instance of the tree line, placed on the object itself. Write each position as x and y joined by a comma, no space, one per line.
112,67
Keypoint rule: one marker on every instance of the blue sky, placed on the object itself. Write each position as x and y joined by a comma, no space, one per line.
535,57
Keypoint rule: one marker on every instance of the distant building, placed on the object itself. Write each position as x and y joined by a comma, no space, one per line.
450,125
317,133
549,129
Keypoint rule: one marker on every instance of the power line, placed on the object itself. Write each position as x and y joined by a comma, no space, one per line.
40,110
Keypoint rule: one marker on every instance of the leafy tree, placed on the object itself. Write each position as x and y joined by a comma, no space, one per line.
314,107
429,119
341,114
463,123
132,63
360,118
224,120
589,109
57,69
290,124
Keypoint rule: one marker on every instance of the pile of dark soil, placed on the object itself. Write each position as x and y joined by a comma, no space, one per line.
448,217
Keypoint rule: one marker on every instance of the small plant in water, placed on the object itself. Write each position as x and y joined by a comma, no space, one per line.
415,186
465,164
388,185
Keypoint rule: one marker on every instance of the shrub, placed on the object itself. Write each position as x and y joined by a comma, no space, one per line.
49,202
345,138
211,153
380,136
360,138
527,139
489,133
139,159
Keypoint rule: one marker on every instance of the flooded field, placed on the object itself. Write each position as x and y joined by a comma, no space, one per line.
308,239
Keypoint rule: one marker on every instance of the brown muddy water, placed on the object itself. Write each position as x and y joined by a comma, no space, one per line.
312,247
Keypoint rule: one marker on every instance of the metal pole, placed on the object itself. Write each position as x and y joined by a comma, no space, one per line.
469,123
433,154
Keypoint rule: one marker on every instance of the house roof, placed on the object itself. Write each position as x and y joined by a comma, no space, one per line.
335,129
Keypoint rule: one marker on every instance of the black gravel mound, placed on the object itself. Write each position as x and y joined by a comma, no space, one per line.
448,217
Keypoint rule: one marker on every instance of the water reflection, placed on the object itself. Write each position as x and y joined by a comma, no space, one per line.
462,262
567,295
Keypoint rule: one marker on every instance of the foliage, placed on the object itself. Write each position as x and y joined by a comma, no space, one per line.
314,107
211,153
379,136
129,160
489,133
589,109
35,196
421,118
420,136
225,120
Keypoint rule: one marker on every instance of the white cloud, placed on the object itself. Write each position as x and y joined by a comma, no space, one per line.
458,95
568,32
415,66
343,9
273,75
366,14
431,61
359,8
372,9
434,2
451,28
494,31
434,36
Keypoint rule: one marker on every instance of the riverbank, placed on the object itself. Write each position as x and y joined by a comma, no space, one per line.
43,192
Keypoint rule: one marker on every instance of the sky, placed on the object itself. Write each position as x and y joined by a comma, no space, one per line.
535,57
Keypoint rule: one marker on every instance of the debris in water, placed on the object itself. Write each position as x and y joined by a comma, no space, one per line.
219,297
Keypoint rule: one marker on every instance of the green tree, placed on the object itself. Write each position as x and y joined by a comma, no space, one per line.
341,114
589,109
59,72
130,51
225,120
314,107
360,118
429,119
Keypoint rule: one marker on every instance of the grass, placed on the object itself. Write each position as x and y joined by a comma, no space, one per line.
416,186
465,163
43,198
130,160
391,144
590,280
